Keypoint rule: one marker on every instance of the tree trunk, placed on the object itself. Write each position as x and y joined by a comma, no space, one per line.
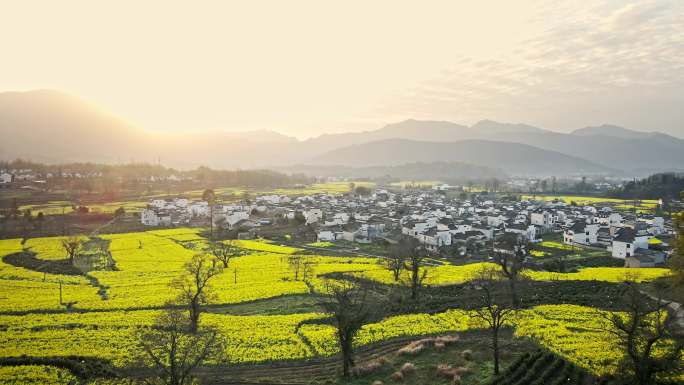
414,282
495,347
347,361
514,294
194,317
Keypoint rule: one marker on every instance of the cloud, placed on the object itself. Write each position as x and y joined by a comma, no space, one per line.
588,64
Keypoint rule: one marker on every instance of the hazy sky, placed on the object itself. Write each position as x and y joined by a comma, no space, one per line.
308,67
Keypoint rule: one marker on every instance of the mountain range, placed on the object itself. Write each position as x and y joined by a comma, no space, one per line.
53,127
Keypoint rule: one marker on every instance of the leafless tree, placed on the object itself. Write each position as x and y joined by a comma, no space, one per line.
643,328
493,312
308,269
173,352
395,263
225,251
351,307
414,255
300,266
193,285
71,245
510,256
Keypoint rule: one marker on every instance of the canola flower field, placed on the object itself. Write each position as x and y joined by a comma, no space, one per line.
108,307
644,205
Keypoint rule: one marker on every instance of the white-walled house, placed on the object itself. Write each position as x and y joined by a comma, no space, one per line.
326,236
627,242
543,219
199,209
581,233
313,215
6,177
152,217
434,239
148,217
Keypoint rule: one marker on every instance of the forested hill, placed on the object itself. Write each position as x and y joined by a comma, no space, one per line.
656,186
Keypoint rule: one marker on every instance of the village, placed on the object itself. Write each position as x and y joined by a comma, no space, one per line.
443,223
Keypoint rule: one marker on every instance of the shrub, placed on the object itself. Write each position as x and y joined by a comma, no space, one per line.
467,355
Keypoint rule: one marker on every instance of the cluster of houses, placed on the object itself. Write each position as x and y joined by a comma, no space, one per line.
436,221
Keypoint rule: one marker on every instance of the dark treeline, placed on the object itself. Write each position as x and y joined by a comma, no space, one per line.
656,186
93,175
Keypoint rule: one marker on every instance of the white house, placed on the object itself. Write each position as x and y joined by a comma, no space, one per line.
434,239
581,233
326,235
627,242
543,219
313,216
152,217
199,209
235,217
148,217
6,177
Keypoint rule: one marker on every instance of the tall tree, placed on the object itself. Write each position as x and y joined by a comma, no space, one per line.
510,255
414,255
351,307
173,352
193,285
493,312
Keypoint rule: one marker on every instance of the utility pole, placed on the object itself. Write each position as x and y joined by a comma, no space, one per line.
235,275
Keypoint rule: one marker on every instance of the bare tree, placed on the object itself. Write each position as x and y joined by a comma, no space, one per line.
493,312
308,269
296,265
644,328
395,263
173,352
193,285
510,256
225,251
72,246
414,255
351,308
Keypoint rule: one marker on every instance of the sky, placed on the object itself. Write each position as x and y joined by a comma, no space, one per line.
304,68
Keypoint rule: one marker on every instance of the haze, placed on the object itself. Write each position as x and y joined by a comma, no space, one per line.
307,67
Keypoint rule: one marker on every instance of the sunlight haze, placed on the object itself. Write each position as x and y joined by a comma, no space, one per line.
305,68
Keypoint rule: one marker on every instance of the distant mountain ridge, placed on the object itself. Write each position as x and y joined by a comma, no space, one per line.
445,171
509,157
54,127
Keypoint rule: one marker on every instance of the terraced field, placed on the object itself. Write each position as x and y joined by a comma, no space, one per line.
107,307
